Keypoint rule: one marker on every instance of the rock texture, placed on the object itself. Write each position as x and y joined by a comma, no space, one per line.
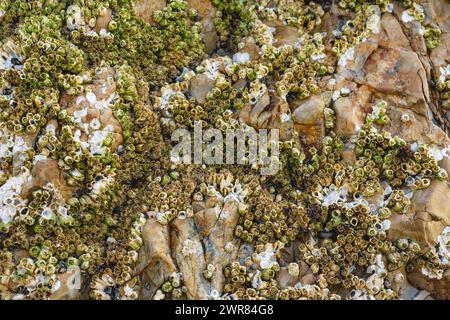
147,228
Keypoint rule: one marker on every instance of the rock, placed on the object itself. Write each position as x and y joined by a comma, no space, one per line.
309,111
200,86
416,129
249,46
191,265
308,119
221,234
348,154
207,13
44,172
440,55
393,36
351,64
145,9
94,108
155,262
286,35
430,214
285,279
103,21
350,112
71,286
439,12
258,108
436,288
398,72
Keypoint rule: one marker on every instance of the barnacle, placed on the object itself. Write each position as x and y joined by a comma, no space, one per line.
87,108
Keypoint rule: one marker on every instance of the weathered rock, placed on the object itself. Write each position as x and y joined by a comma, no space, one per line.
308,119
309,111
207,13
103,21
439,12
145,9
414,128
394,36
44,172
219,234
430,214
286,35
351,111
72,286
398,72
438,288
249,46
200,86
285,279
155,262
191,265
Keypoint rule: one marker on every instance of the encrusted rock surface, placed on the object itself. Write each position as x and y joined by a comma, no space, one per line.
93,206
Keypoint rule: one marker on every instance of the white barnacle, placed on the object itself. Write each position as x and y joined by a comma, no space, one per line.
189,248
374,23
159,295
47,213
241,57
406,17
74,17
91,98
95,124
212,69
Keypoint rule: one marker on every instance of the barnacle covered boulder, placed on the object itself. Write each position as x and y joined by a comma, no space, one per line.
348,100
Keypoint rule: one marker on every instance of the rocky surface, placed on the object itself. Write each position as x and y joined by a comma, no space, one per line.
93,207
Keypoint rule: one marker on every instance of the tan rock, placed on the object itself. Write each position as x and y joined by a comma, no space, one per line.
47,171
155,263
439,12
251,48
207,13
285,279
309,111
183,233
145,9
285,35
398,72
200,86
221,234
350,112
394,36
416,129
430,214
103,21
310,134
71,287
438,288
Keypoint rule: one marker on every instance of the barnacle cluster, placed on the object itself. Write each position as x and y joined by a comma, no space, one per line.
90,95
